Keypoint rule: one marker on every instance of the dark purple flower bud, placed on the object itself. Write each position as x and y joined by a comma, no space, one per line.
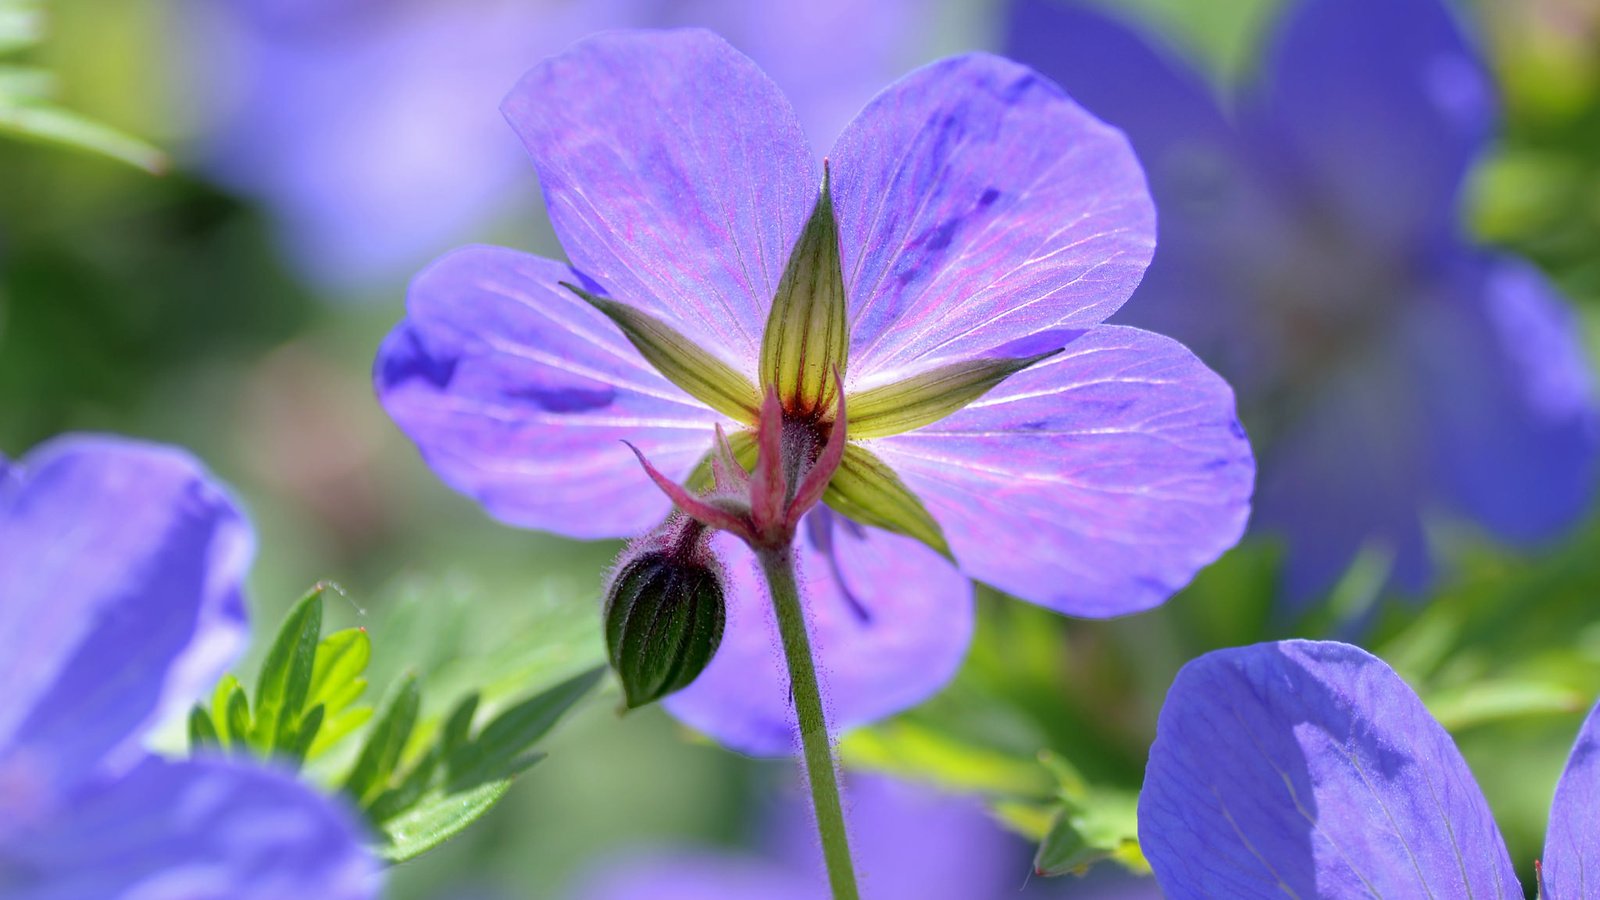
664,612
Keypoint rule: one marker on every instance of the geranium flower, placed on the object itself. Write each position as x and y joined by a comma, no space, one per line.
1309,769
121,566
984,223
1390,371
367,128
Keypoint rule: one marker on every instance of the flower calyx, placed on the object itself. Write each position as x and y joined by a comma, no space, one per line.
664,612
795,461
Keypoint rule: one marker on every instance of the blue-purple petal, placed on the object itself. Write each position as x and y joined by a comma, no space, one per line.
519,394
1375,109
121,568
676,176
1096,482
979,206
890,623
1311,769
1572,842
196,830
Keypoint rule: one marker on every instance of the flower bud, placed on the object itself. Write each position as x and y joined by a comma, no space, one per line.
664,616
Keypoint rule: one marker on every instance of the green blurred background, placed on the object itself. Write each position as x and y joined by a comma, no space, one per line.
168,308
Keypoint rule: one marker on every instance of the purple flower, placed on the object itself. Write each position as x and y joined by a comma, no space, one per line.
910,843
368,128
982,217
1390,371
121,566
1309,769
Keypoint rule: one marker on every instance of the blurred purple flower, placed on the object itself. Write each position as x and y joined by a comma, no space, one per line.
368,128
909,843
121,566
1309,769
981,214
1389,370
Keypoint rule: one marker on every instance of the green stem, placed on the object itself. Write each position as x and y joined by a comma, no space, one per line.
779,568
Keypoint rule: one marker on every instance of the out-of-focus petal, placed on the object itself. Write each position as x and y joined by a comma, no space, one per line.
196,830
676,176
1310,769
909,842
1214,219
1572,842
1096,482
693,874
1378,107
121,570
890,623
979,206
1510,398
520,394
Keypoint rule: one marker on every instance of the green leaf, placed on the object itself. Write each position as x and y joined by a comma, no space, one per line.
927,398
51,124
1104,828
238,716
285,679
385,742
703,376
220,697
457,729
25,83
337,728
341,659
807,336
499,751
865,489
299,743
436,819
202,731
1479,703
21,25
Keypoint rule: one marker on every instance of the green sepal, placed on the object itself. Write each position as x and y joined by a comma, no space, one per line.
663,619
679,360
202,731
924,399
380,754
285,679
866,490
807,337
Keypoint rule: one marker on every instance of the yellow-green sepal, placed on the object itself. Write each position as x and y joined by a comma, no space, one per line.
679,360
807,336
866,490
926,398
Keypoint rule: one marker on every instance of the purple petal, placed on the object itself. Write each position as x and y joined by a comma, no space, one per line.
1378,107
1310,769
890,623
121,565
1572,842
675,174
1096,482
519,394
1510,399
978,206
196,830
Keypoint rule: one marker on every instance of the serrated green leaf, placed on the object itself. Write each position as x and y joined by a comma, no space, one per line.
202,731
496,752
52,124
866,490
807,336
679,360
341,659
409,792
238,717
436,819
285,679
927,398
385,742
338,728
305,734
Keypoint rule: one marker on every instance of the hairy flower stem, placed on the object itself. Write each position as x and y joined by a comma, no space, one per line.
778,565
